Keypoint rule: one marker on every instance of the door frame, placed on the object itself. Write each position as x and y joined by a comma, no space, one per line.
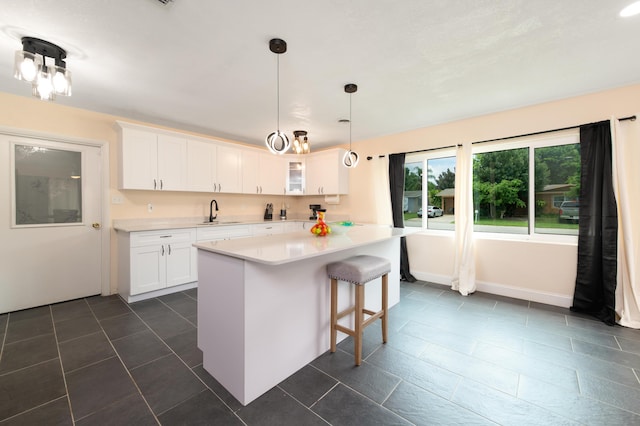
105,231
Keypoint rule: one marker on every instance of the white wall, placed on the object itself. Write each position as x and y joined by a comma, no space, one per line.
537,271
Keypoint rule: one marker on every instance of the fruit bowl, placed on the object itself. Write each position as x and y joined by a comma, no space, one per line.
339,228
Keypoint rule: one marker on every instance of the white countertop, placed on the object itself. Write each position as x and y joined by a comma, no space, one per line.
138,225
279,249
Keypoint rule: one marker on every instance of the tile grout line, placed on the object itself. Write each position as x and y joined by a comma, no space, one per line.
177,356
121,363
64,376
4,336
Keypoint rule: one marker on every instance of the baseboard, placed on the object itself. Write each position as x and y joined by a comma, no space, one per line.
161,292
555,299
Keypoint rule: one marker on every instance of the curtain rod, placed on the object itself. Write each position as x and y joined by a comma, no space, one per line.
419,150
631,117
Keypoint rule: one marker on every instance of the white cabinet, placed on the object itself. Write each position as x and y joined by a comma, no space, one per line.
325,174
295,168
155,260
222,232
268,228
152,161
293,226
213,167
262,173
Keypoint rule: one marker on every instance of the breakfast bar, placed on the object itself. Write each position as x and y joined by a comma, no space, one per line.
264,302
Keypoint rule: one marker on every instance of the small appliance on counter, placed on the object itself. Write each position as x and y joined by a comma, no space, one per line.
314,211
268,212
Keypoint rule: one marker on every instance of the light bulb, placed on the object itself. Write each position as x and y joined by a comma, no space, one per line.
60,82
28,69
44,86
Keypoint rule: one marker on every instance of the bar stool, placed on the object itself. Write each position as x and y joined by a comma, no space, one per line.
358,270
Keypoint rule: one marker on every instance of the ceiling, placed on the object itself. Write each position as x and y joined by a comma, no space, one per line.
205,65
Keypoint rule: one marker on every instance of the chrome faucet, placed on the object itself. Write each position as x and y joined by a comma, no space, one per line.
211,216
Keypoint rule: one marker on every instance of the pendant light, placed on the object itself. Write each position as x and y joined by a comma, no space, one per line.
278,142
350,158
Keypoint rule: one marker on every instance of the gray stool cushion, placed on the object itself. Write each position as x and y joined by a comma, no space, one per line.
359,269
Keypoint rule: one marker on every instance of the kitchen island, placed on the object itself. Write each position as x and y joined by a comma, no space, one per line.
263,302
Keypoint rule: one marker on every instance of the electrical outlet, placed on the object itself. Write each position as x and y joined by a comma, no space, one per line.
117,199
150,208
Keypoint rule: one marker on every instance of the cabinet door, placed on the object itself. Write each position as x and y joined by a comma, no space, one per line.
172,163
314,175
272,174
181,263
139,160
250,166
295,169
200,166
325,173
228,169
148,268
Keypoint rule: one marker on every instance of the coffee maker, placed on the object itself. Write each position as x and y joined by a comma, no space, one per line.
314,211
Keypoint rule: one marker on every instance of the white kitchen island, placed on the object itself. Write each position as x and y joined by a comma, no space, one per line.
263,302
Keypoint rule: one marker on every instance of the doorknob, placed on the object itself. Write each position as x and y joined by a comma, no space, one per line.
96,225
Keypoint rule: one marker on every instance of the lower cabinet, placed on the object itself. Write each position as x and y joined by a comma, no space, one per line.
155,261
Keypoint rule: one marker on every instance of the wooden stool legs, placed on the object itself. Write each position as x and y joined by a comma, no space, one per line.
359,321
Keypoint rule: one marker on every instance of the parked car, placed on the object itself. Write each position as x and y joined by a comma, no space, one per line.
431,211
569,211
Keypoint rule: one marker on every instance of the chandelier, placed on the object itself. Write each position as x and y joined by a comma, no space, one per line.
301,146
277,142
42,64
351,158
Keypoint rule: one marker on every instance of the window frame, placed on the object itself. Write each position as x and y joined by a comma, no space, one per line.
424,157
567,137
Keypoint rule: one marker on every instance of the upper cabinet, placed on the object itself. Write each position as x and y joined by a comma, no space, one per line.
295,175
212,167
262,173
152,161
325,174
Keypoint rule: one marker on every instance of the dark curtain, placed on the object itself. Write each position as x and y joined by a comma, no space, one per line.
396,186
598,229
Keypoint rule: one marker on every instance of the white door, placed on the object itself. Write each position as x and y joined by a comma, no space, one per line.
50,222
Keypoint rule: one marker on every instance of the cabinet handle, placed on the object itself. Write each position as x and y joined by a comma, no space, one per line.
169,245
154,184
161,184
257,189
219,187
162,250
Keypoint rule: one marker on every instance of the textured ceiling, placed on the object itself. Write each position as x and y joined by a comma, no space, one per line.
205,65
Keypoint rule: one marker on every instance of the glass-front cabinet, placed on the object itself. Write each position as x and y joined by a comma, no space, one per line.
295,176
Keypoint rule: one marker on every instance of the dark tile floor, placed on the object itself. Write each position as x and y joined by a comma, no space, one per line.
479,360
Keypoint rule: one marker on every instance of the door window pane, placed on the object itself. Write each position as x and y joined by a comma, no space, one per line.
557,171
500,191
48,185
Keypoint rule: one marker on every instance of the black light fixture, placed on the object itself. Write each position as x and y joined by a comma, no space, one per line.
350,158
278,142
301,146
47,79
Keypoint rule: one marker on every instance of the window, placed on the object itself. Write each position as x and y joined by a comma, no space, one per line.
48,186
430,196
521,187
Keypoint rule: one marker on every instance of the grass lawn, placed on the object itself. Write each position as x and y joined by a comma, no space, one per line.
541,222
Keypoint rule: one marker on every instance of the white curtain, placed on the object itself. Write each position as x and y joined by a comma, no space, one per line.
464,270
625,183
382,198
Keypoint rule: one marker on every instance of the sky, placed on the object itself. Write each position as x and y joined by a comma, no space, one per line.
437,165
